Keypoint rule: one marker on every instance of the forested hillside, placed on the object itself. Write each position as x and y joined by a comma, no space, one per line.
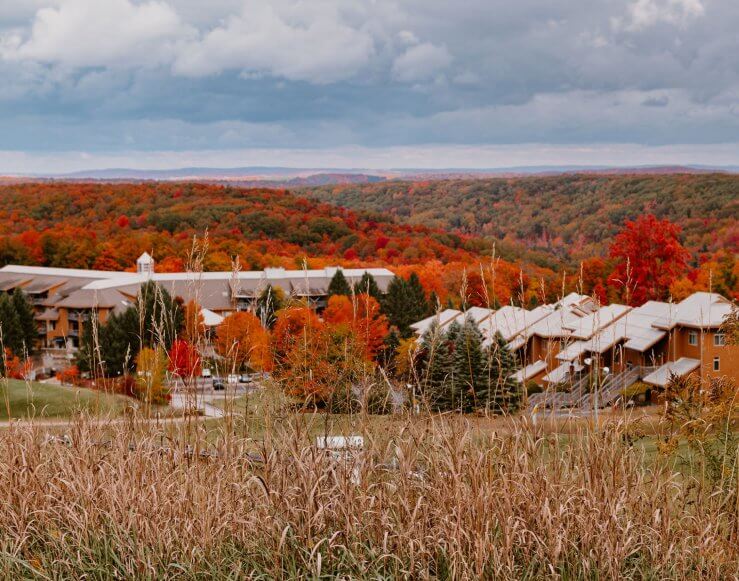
569,218
106,226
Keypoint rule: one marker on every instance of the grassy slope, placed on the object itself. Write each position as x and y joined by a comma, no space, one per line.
52,401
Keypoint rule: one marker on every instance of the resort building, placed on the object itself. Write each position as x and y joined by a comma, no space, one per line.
64,299
578,343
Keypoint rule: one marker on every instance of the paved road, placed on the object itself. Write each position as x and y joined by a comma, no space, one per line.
183,401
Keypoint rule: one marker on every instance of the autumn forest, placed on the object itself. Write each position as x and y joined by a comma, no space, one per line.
524,240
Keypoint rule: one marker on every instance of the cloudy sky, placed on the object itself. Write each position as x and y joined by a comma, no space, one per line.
367,83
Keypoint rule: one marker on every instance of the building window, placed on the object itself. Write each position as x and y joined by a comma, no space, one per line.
719,340
692,338
717,364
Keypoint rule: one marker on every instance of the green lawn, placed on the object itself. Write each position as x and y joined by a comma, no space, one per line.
40,400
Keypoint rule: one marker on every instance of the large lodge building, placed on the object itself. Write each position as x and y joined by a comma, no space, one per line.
64,298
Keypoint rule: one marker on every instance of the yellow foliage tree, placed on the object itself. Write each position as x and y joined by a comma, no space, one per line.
151,369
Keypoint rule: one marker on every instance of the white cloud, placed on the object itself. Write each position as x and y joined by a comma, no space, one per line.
281,39
646,13
421,62
90,33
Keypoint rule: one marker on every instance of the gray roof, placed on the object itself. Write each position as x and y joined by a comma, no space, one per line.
679,368
700,310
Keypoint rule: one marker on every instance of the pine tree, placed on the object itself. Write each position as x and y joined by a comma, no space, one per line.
11,331
26,320
501,392
339,285
416,298
438,383
85,359
469,364
269,302
161,318
405,304
393,306
368,285
120,342
386,356
433,304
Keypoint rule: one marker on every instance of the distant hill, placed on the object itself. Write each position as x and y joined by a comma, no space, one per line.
566,216
276,176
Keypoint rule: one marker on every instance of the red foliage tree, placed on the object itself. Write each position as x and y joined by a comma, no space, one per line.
184,359
649,259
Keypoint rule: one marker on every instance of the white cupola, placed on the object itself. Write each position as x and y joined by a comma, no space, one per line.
145,264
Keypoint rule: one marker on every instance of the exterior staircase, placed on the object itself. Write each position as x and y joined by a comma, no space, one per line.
611,389
580,396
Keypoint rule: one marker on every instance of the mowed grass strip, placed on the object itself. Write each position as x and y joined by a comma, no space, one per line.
23,400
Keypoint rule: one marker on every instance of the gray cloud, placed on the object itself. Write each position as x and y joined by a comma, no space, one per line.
186,74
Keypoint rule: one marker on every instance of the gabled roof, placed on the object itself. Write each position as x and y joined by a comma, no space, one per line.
443,318
591,324
509,321
700,310
680,368
478,314
63,272
531,370
211,319
9,284
562,373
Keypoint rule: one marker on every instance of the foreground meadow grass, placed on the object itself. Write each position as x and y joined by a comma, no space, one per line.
429,497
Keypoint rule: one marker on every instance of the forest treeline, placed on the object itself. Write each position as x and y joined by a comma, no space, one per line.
107,226
557,219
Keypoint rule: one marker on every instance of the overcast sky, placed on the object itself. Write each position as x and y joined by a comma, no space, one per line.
367,83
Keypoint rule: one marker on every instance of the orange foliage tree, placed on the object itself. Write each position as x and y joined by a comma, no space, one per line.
293,324
361,314
242,341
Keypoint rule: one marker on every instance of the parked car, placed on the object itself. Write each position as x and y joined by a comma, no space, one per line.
219,384
232,379
245,378
206,373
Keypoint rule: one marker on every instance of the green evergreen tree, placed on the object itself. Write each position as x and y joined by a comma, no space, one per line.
29,332
501,392
339,285
269,302
85,358
393,306
416,298
390,344
120,341
161,318
469,364
404,304
439,384
433,304
368,285
435,366
11,331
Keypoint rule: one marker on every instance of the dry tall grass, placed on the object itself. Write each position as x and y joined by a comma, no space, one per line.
436,499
